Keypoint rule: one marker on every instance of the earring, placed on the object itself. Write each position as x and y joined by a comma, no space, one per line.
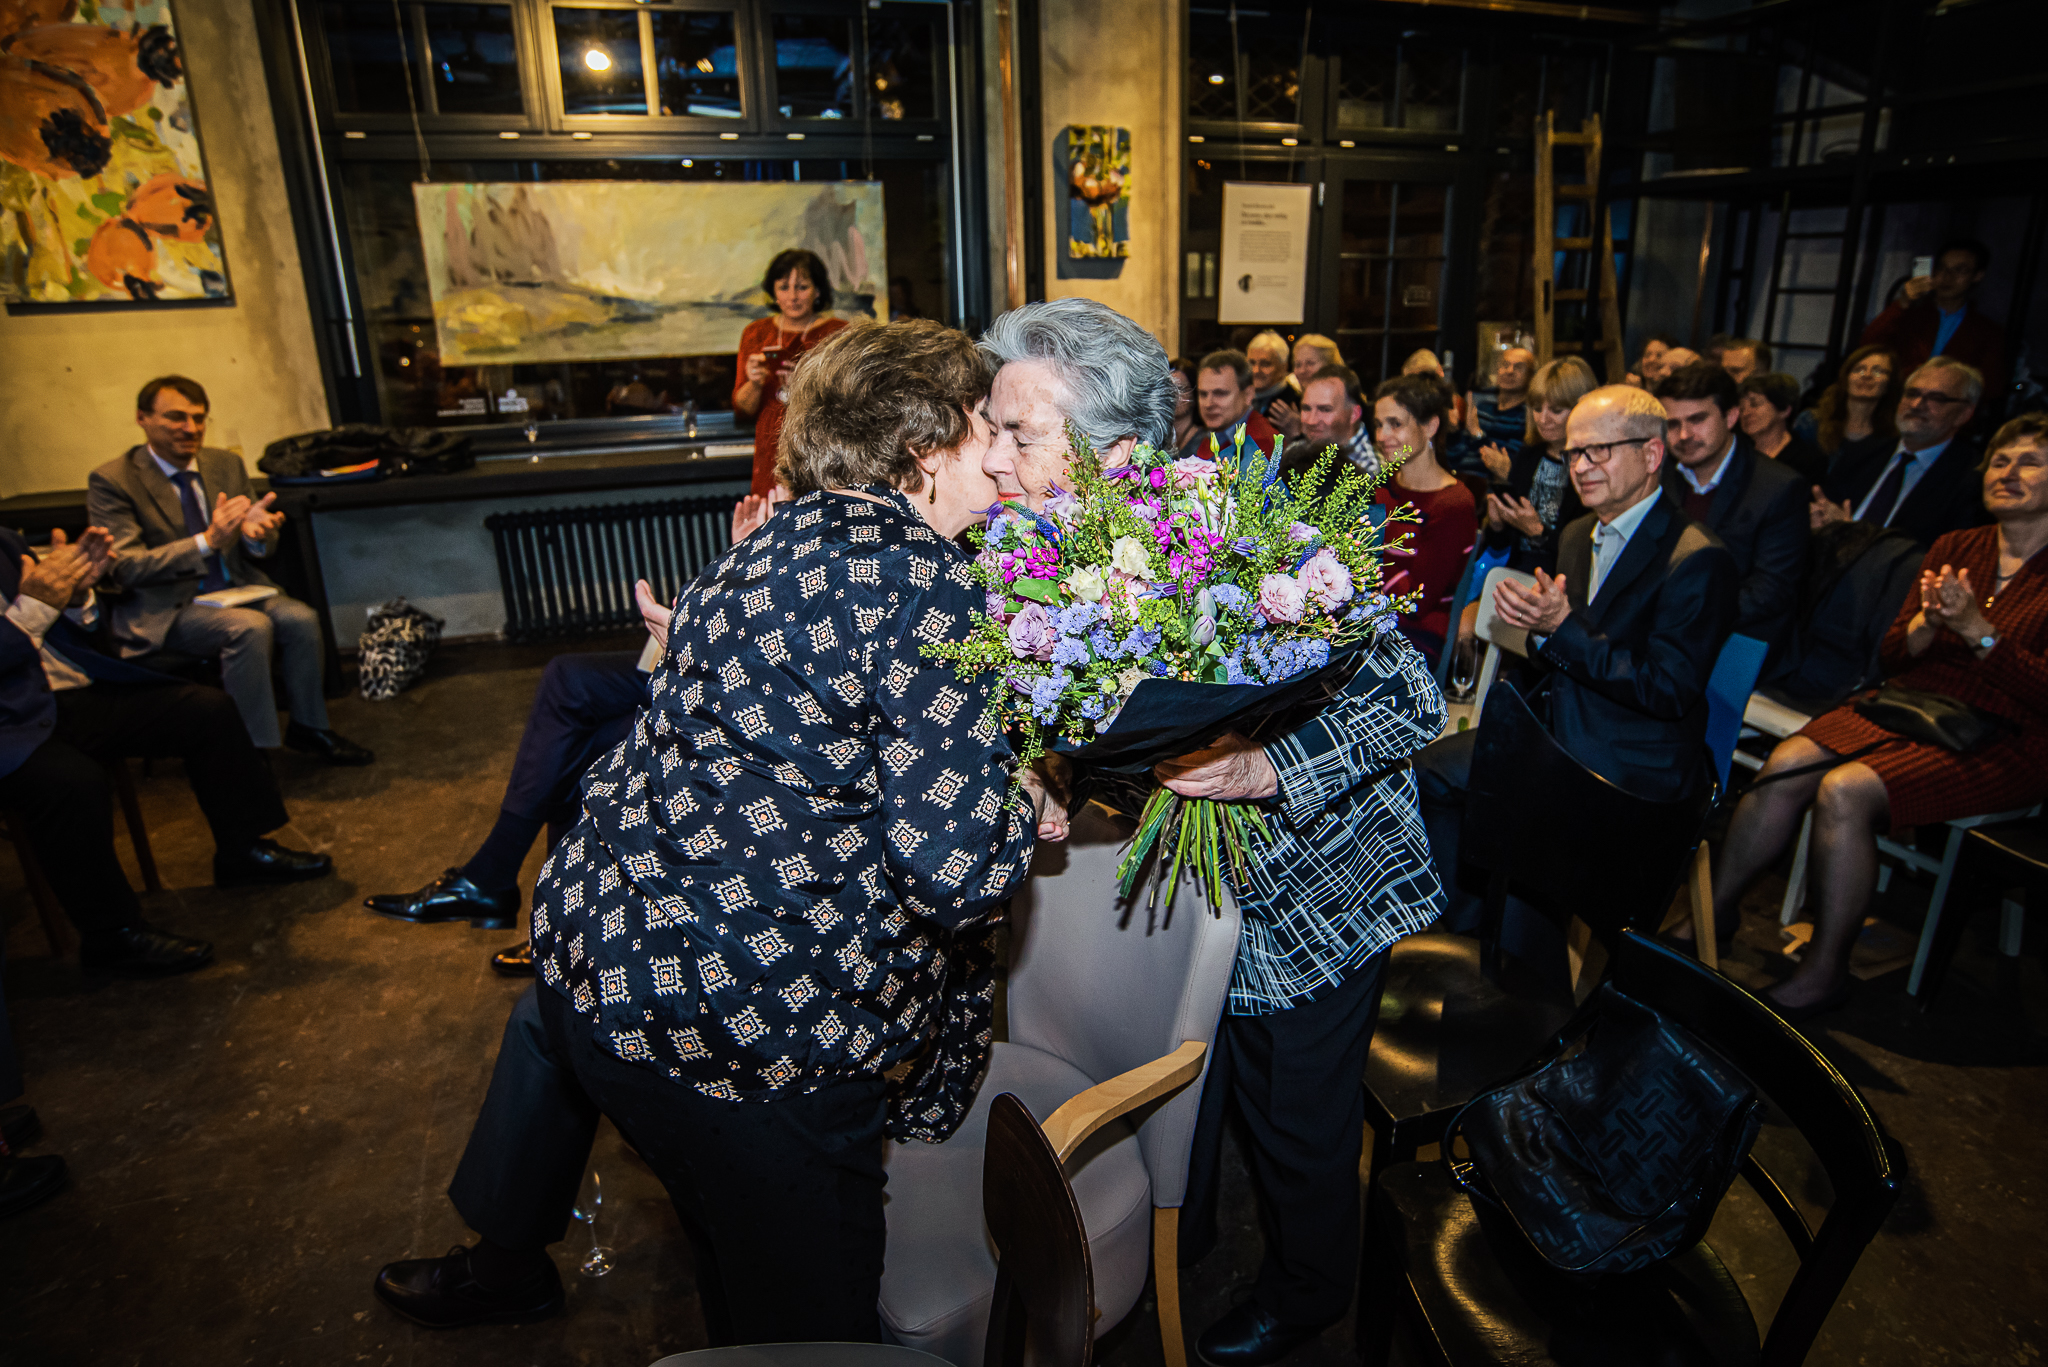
934,499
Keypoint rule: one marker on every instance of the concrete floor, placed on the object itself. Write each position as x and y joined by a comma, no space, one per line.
248,1144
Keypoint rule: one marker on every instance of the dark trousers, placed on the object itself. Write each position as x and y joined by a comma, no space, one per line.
584,707
62,798
1296,1078
781,1200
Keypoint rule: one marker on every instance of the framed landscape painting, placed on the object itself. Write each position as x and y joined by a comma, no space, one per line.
103,189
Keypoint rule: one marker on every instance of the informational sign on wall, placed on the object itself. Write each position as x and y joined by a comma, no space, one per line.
1265,253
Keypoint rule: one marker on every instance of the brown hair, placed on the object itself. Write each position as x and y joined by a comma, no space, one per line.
1833,408
872,398
1232,361
1556,384
1424,396
794,259
2026,429
193,391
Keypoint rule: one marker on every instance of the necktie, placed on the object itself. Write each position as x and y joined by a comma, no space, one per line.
196,522
1606,541
1883,501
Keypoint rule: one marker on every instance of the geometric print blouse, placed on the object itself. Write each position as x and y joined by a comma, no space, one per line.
768,872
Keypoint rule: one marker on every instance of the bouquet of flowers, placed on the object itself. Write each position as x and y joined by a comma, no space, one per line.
1160,603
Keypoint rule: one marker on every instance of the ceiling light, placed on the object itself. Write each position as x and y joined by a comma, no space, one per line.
704,65
597,59
1290,142
1217,79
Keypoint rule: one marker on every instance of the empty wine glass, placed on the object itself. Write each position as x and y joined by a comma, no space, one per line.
589,1200
1464,670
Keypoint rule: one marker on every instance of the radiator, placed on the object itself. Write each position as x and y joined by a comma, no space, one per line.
570,571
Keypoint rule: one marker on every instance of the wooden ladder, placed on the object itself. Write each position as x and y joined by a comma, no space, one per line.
1596,298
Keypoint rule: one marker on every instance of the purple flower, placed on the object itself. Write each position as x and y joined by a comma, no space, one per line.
1032,633
1045,694
1228,596
1157,479
1063,504
1281,597
1301,533
1070,650
1244,545
1327,581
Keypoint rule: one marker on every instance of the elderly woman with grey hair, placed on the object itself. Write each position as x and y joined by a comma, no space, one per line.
1345,873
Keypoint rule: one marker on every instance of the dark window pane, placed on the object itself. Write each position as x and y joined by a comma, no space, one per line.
476,59
1432,83
1365,86
1212,85
901,42
813,67
696,65
369,59
601,72
1265,59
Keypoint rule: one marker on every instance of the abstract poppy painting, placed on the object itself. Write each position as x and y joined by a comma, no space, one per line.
103,189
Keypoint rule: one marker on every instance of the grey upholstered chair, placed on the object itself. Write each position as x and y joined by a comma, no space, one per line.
1098,994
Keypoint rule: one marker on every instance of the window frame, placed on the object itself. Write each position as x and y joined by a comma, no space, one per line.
533,117
744,37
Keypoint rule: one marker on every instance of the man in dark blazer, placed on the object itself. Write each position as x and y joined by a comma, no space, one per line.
1937,315
186,526
1757,506
1924,483
1622,638
66,711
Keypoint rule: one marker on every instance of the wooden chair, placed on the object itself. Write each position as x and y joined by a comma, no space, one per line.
1456,1015
57,927
1474,1298
1044,1301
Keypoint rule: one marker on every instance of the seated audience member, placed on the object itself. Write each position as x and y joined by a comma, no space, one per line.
1497,416
1767,403
1859,405
683,1030
1743,357
66,711
1532,495
1757,507
1857,574
1936,315
1312,352
184,525
1650,365
1711,352
1187,419
1423,361
1272,374
1223,394
1426,504
1333,414
584,706
1977,632
1926,483
1622,638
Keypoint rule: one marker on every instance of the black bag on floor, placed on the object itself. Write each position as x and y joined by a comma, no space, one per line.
1614,1155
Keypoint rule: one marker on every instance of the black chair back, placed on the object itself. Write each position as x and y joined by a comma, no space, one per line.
1562,836
1807,1089
1045,1287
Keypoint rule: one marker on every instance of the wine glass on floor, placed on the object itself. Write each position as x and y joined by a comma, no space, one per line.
589,1201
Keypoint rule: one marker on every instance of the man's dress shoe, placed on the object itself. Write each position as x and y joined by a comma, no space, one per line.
266,861
442,1293
1249,1336
143,951
26,1182
516,962
20,1126
331,746
451,897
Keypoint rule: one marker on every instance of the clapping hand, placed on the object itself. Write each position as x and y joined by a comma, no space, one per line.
652,612
1948,600
1286,419
261,521
1539,611
67,572
753,511
1510,511
1498,463
228,516
1822,511
1231,769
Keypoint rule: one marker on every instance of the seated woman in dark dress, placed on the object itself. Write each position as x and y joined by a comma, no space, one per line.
1532,495
1425,503
1977,631
780,887
1768,402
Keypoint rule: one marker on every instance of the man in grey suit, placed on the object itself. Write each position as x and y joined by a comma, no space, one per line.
184,526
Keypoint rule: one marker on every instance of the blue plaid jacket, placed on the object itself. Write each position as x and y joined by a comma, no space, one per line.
1348,871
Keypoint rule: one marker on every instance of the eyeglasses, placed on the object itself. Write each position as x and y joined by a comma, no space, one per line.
1932,396
1600,452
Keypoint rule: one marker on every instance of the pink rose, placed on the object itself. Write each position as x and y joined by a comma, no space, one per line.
1326,581
1281,598
1032,633
1192,470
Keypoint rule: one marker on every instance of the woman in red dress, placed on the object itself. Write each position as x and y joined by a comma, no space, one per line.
802,290
1976,631
1425,502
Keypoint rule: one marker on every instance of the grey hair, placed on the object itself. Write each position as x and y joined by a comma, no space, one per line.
1973,378
1117,380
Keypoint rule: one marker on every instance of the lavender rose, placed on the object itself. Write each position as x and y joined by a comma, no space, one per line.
1032,633
1281,597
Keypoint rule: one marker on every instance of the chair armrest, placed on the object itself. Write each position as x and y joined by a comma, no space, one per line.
1089,1111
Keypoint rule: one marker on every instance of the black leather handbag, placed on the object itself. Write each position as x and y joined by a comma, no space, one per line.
1932,718
1614,1155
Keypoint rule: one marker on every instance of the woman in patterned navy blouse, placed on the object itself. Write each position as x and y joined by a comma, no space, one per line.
781,884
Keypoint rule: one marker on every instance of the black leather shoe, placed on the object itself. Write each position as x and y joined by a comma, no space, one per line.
266,861
516,962
451,897
442,1293
143,951
1249,1336
331,746
26,1182
20,1126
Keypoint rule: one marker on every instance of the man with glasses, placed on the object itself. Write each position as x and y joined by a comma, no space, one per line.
1925,483
1936,315
1621,639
